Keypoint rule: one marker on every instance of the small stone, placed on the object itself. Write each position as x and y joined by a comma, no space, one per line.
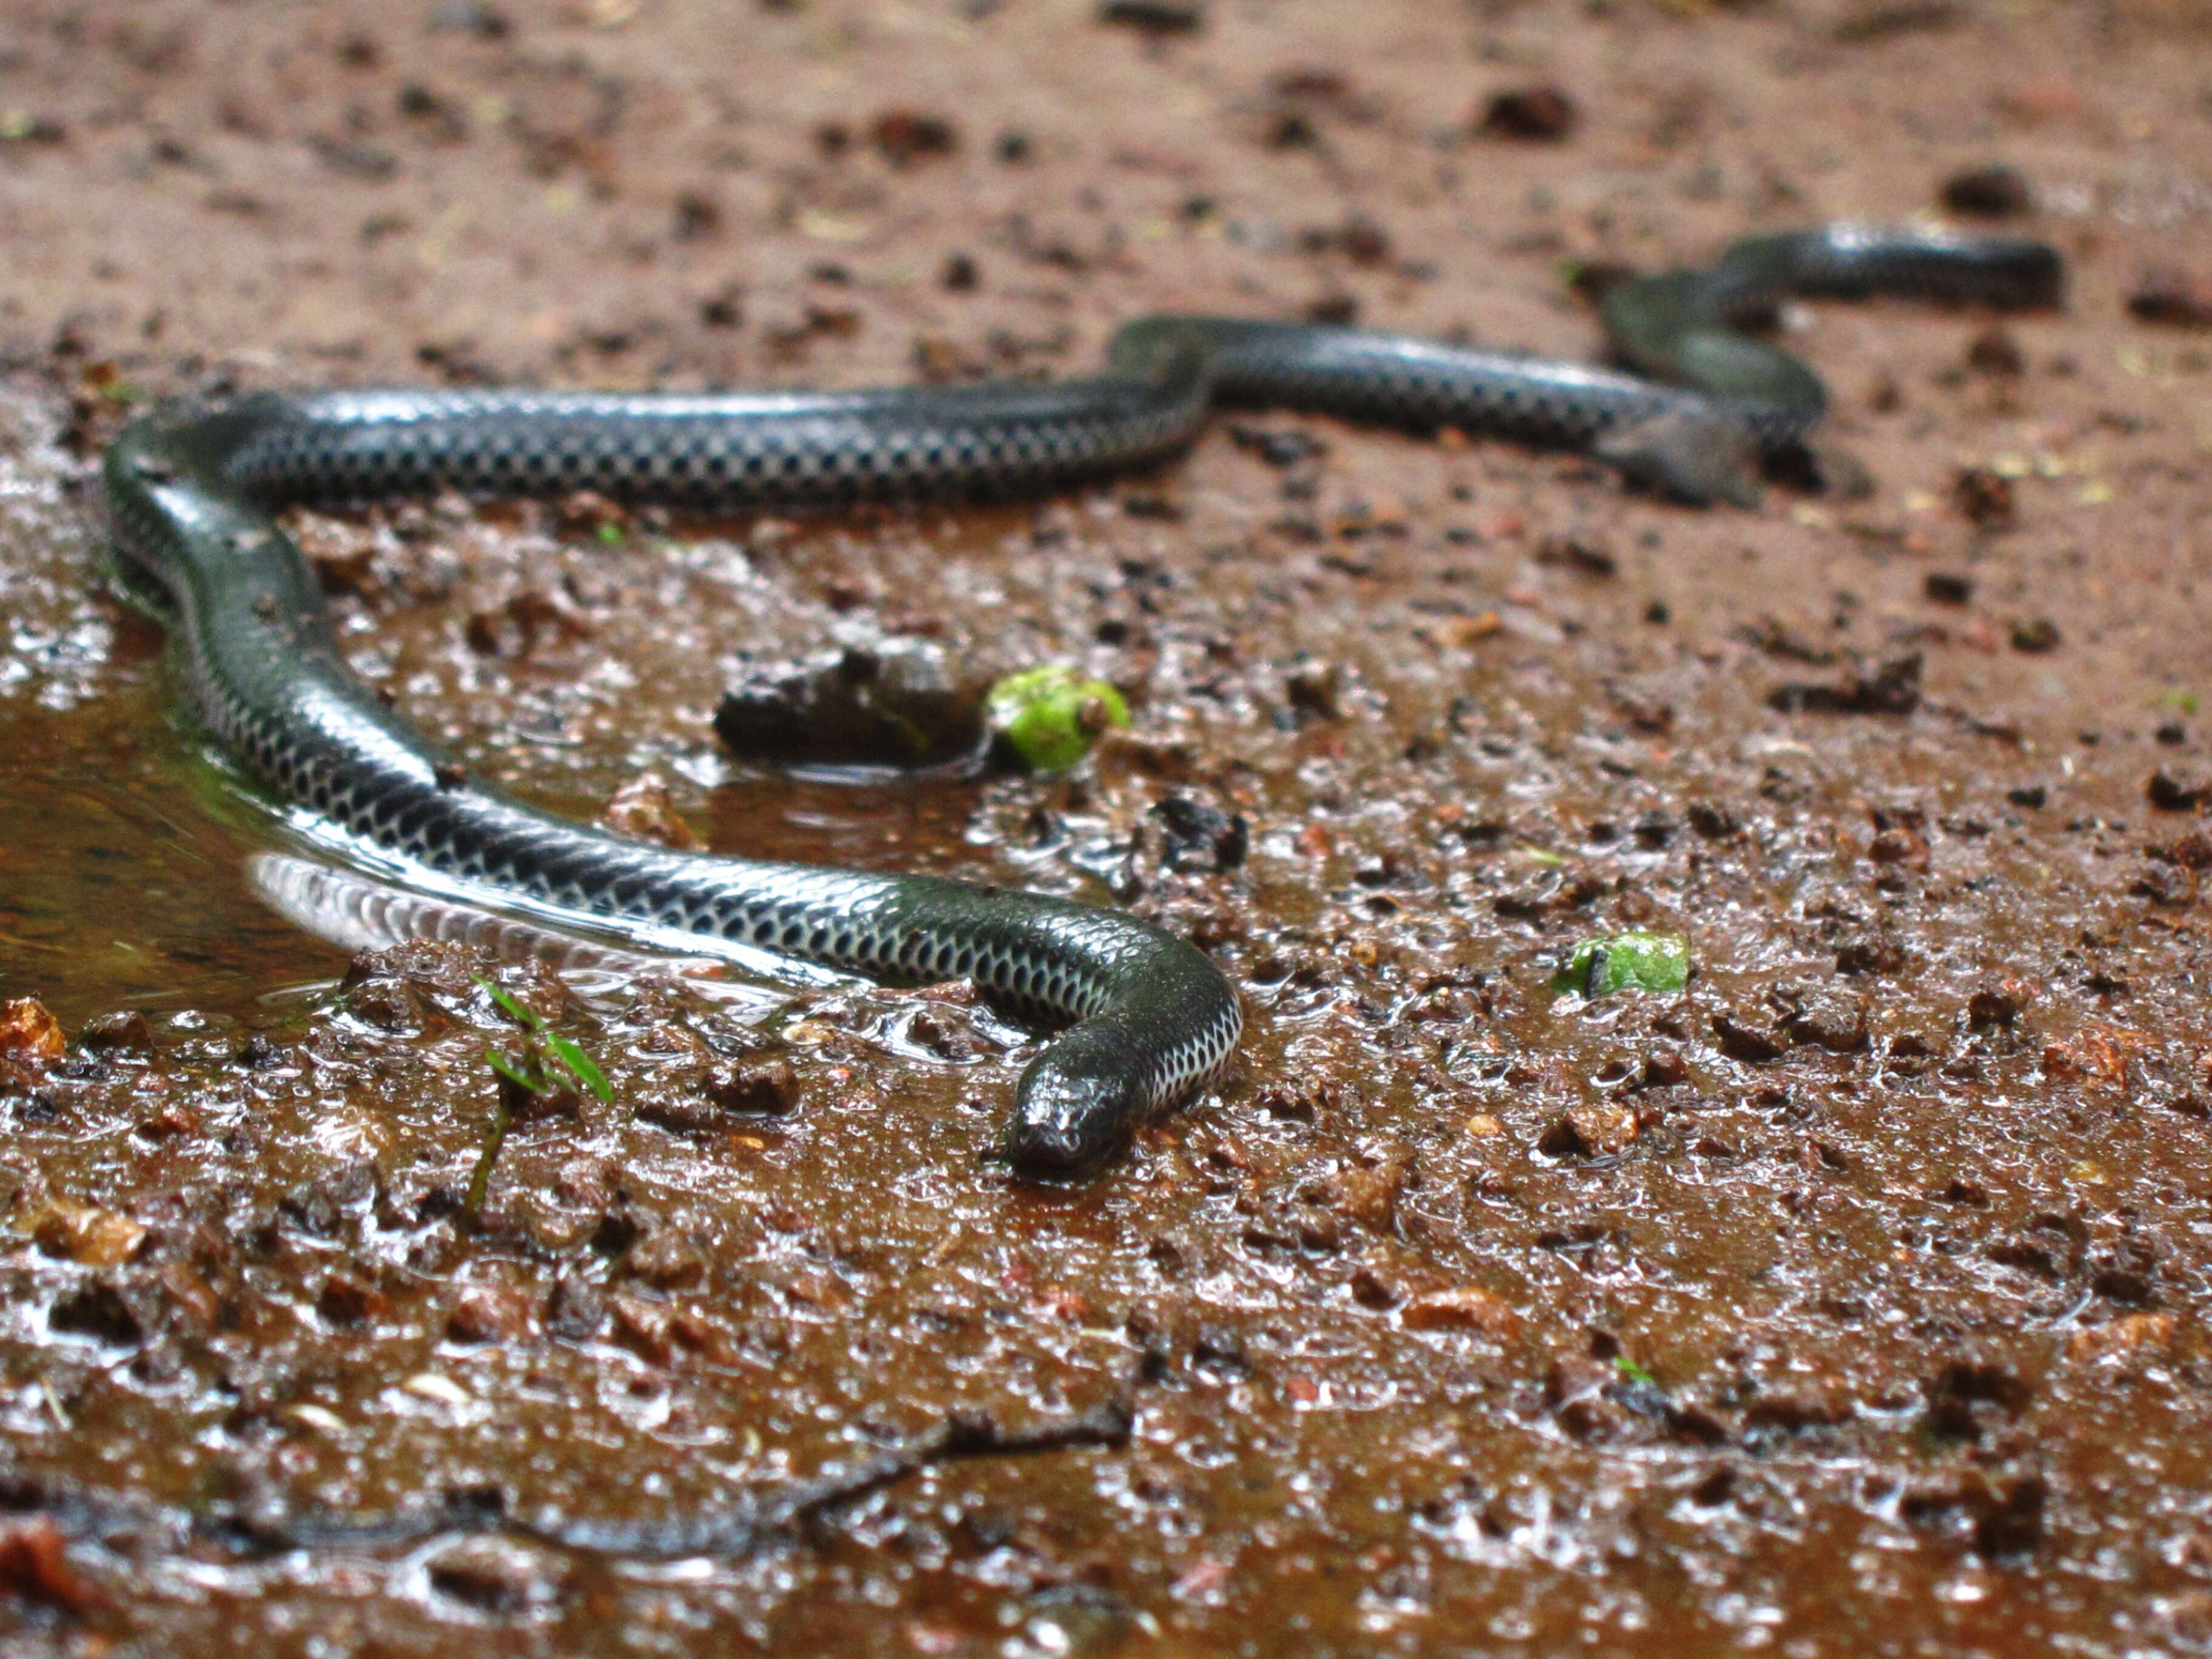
1835,1023
1984,497
1995,1005
900,704
84,1233
125,1031
2035,635
1870,953
2129,1334
1593,1131
576,1310
1740,1038
28,1030
1200,838
1994,352
1713,821
1153,16
496,1575
1462,1308
34,1564
491,1313
665,1259
1539,114
642,1328
903,136
1578,554
346,1300
644,809
1946,587
1315,690
1992,191
2173,299
2173,792
769,1089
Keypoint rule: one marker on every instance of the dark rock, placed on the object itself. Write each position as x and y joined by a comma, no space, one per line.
577,1311
1740,1038
1830,1021
1994,1006
1994,352
34,1565
1282,447
1200,838
1153,16
1945,588
1984,497
899,706
496,1575
770,1090
1993,192
1713,821
1315,691
2171,792
2035,635
2173,298
1540,114
903,136
125,1031
1892,687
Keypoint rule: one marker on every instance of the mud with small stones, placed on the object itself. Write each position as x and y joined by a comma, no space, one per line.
1850,1301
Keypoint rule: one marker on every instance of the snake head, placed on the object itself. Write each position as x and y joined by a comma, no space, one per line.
1079,1102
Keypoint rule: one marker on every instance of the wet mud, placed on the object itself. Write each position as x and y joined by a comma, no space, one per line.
1849,1300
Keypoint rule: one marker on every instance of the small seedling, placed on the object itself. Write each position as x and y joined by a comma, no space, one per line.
1634,1372
532,1071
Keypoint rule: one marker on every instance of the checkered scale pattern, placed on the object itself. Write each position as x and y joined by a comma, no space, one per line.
190,490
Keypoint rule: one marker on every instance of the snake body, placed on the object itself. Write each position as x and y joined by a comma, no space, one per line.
190,491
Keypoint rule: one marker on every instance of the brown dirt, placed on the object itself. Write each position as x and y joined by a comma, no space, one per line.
1849,1302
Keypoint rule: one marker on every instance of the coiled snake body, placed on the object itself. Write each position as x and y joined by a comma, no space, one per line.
190,490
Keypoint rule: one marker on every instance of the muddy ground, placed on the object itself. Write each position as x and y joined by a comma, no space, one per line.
1848,1302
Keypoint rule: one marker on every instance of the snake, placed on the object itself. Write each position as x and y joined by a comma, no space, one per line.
191,491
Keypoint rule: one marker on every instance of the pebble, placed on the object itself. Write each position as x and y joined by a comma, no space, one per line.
1992,191
1537,114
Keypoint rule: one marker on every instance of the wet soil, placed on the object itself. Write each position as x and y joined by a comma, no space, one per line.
1850,1301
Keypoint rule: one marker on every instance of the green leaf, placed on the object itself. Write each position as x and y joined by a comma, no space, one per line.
1049,719
512,1070
610,533
1634,1372
585,1069
522,1016
1625,962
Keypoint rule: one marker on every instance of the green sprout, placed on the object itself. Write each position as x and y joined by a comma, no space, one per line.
1634,1372
1049,718
1623,961
532,1072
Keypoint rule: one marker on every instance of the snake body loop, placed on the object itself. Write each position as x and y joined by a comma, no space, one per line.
190,490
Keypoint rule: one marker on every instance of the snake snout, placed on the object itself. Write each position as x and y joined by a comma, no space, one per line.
1079,1102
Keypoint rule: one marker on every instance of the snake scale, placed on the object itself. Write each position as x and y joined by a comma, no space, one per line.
191,490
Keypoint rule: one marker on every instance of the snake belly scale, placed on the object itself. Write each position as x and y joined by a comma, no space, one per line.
190,490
